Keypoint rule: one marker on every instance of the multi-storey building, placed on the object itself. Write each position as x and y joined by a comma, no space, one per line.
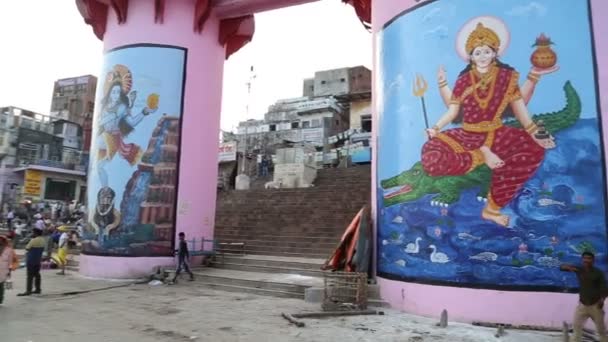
40,159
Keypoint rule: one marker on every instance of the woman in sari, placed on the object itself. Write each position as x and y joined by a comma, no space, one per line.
6,260
482,93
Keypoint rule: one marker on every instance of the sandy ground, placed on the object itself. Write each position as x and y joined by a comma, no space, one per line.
187,312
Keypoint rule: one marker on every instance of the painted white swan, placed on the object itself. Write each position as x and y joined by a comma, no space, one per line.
438,257
413,248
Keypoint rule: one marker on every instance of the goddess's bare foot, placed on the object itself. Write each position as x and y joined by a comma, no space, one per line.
491,159
496,217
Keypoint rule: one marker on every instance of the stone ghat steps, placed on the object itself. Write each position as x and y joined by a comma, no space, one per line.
291,243
276,285
282,224
250,233
293,222
285,277
278,248
266,251
276,200
263,264
288,251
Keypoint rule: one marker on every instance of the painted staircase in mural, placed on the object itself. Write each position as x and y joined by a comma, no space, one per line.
147,205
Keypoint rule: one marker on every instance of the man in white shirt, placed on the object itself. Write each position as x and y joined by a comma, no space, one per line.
39,222
9,219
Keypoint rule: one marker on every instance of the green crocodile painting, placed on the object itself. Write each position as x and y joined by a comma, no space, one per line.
415,183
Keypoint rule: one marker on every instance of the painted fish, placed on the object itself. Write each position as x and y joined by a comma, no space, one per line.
484,256
548,261
545,202
400,262
398,219
467,236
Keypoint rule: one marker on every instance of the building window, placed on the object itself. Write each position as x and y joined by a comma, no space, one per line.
314,123
295,124
342,80
59,189
58,129
273,128
305,124
366,123
337,122
323,82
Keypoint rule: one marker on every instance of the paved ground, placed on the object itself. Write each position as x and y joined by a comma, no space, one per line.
186,312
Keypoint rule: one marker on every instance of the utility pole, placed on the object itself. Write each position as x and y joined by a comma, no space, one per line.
242,180
249,83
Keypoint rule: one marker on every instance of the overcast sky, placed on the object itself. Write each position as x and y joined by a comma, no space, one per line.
43,40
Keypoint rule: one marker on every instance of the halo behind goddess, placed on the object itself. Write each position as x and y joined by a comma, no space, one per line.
487,30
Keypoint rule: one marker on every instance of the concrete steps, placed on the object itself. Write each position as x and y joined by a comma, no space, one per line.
304,267
279,234
268,284
290,254
291,243
267,275
253,290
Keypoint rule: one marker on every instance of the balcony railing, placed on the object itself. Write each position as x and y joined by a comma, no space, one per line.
56,164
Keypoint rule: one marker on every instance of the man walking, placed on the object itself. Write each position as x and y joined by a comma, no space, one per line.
34,248
182,258
592,293
10,216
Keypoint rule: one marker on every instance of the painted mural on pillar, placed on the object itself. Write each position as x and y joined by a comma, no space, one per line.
490,159
135,152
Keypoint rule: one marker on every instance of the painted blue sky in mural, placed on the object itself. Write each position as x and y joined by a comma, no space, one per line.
157,70
556,215
421,41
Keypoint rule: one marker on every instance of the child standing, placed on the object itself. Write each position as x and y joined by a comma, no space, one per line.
182,258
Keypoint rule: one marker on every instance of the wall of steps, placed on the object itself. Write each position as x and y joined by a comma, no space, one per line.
294,222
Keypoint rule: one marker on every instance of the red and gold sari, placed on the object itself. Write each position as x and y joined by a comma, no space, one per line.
483,100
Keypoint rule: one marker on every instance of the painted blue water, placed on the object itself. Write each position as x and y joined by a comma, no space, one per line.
559,213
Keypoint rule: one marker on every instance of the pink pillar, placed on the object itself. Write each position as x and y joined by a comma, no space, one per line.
467,303
196,195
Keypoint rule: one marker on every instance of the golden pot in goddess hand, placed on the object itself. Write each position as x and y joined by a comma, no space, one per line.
543,57
152,101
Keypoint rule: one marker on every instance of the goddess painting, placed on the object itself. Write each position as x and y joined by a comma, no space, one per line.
116,120
483,92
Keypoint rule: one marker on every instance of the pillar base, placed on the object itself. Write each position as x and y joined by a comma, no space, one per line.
120,268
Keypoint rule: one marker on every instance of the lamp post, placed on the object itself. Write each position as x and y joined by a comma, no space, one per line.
242,180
